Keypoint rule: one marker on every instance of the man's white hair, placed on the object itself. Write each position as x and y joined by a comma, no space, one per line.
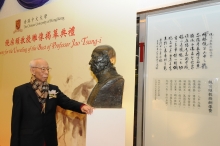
33,62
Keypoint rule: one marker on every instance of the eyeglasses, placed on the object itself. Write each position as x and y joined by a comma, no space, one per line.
43,69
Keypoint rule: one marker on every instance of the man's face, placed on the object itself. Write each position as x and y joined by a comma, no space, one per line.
97,62
41,70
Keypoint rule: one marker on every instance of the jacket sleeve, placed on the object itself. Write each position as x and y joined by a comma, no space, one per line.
67,103
16,119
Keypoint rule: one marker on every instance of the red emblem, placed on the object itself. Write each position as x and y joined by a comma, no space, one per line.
18,24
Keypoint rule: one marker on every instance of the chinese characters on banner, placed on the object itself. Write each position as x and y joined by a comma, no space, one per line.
40,36
184,52
46,40
188,95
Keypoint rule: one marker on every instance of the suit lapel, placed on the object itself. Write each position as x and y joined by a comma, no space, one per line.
33,95
48,103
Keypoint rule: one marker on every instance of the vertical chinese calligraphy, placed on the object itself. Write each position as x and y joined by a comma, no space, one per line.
188,52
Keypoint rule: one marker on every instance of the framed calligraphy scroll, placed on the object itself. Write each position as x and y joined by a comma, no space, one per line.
182,72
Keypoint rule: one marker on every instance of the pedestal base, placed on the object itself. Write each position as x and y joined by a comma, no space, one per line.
106,127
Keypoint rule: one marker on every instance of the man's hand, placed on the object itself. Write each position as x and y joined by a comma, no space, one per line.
87,109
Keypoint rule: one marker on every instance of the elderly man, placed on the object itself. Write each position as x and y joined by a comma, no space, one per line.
34,106
108,92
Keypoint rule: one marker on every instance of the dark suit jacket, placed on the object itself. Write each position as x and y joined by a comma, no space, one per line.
30,127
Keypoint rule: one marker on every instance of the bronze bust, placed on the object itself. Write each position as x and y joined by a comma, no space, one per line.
108,92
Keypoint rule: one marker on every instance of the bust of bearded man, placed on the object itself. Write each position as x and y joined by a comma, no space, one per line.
108,92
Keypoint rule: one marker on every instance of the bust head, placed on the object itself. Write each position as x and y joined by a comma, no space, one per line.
103,57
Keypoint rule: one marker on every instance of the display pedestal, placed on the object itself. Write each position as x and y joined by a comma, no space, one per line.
106,127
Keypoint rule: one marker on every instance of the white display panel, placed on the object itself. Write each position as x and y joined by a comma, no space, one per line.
182,78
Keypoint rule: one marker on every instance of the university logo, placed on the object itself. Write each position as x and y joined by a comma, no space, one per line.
18,26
